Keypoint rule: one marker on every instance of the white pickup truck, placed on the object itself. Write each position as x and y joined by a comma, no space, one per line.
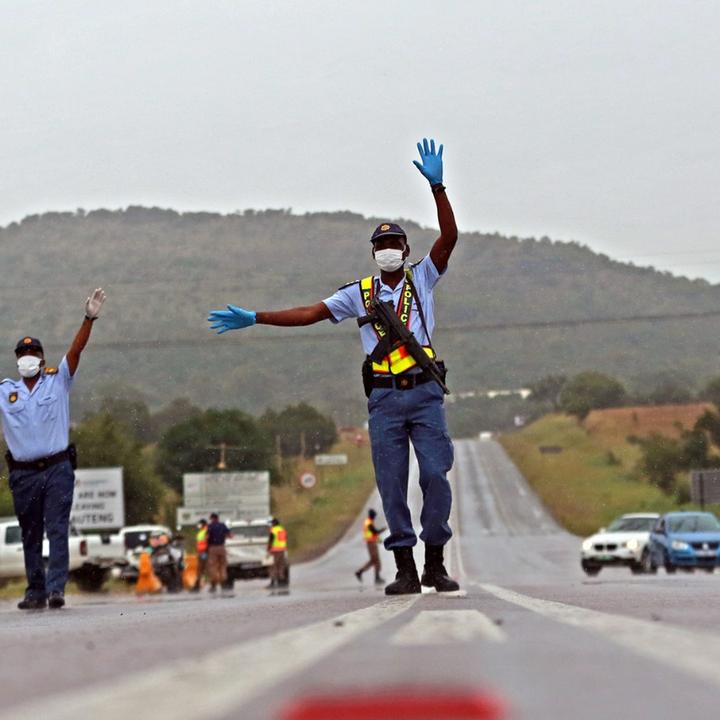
247,554
92,557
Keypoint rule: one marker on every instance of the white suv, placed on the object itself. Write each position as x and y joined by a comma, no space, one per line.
623,542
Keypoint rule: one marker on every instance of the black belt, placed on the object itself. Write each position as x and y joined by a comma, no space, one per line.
39,464
401,382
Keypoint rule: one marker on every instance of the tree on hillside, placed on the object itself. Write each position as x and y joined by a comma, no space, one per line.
104,441
590,391
548,389
711,392
299,425
133,413
194,445
176,412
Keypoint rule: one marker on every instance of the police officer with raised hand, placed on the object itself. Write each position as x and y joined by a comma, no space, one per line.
35,413
404,402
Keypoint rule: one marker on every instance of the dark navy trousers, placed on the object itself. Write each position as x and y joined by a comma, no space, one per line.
398,417
43,500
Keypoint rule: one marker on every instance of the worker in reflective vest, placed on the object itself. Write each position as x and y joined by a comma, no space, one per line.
277,547
201,545
371,535
404,401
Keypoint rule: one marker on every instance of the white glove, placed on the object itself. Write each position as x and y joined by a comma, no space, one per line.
94,303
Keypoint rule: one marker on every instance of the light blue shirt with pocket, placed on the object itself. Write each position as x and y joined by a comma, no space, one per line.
36,423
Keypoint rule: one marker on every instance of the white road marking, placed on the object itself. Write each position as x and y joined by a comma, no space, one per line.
438,627
692,652
235,674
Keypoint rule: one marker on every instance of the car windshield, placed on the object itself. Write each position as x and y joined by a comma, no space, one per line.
632,524
694,523
135,538
251,532
13,535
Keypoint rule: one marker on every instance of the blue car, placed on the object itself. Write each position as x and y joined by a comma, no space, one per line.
685,540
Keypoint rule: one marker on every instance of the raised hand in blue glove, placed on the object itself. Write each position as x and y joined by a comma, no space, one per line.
432,163
234,318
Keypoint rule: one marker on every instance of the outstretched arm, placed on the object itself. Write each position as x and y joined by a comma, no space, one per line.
92,310
432,169
236,318
295,317
445,244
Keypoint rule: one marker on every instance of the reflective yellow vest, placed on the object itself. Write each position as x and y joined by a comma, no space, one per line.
279,540
201,540
399,360
369,535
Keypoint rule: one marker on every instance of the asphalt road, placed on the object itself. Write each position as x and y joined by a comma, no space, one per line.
529,629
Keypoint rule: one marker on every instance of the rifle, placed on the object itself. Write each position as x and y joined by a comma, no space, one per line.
397,334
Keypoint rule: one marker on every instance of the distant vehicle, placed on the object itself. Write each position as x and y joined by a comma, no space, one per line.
247,554
135,539
623,542
92,556
685,540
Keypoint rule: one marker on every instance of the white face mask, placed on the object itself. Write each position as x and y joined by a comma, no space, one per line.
389,260
28,366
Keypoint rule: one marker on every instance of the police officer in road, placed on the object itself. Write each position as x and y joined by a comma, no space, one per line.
404,402
35,413
371,535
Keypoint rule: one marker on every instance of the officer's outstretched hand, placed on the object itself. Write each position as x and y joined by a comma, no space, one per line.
432,163
94,303
234,318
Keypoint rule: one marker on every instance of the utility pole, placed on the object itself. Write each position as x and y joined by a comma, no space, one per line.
223,447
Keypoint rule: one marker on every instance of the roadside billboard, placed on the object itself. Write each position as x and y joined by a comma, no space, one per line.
98,500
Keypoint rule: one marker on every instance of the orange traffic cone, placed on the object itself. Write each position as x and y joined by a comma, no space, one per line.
147,581
190,573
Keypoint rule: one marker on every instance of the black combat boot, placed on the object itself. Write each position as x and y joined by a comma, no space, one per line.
435,575
32,603
406,579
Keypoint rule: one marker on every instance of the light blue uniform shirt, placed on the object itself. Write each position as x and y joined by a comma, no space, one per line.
37,424
347,303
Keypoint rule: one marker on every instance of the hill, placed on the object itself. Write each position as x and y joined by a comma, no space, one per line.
164,270
594,478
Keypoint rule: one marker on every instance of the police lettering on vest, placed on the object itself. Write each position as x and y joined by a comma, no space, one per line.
399,360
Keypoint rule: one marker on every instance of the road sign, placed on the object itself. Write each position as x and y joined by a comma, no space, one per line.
308,480
98,501
340,459
247,493
705,486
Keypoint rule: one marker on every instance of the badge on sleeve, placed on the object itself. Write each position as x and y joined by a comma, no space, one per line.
12,397
51,371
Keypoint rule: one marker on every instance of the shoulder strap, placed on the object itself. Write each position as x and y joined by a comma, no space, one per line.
413,290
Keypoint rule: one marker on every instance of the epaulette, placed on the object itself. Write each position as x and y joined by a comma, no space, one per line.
50,371
354,282
4,380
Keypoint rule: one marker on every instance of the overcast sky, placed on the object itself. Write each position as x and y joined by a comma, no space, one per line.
593,121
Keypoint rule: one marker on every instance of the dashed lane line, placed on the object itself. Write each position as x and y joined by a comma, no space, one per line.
234,674
693,652
439,627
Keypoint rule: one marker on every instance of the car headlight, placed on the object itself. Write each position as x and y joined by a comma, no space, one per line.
587,545
633,544
679,545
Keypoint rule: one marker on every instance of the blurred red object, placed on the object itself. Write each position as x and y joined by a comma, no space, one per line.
403,704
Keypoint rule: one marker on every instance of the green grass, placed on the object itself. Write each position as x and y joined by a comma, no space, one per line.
584,487
315,519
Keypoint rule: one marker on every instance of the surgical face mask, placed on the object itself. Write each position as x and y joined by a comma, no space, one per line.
389,260
28,366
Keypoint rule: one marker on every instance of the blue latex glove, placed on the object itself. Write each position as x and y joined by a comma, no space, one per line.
432,164
234,318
